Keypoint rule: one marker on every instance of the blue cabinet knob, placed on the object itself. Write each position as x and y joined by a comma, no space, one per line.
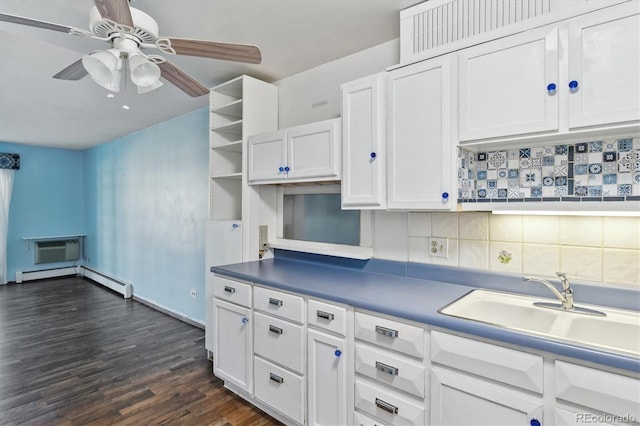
286,169
245,320
235,225
534,422
338,352
372,155
573,85
551,88
281,169
445,195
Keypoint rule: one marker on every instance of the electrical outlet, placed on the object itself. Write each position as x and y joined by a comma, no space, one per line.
194,294
438,247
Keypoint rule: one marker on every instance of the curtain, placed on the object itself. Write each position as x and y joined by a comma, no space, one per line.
6,186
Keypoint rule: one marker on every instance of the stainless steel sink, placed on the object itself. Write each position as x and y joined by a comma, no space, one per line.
616,331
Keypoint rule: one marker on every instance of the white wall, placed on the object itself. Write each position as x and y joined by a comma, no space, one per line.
314,95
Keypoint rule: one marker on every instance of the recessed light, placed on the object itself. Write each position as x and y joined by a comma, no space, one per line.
125,107
110,95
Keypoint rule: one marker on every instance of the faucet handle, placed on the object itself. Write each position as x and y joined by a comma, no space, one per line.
562,275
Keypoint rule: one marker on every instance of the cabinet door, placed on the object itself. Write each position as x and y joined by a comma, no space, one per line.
233,349
458,399
267,157
604,61
503,86
313,150
327,379
223,245
363,131
420,173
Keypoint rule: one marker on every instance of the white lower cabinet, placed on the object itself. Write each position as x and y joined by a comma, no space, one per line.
327,378
462,399
613,397
233,349
280,388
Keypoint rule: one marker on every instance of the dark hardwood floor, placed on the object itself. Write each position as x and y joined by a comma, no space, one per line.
74,353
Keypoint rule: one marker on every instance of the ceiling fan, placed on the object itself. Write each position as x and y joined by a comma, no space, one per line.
128,30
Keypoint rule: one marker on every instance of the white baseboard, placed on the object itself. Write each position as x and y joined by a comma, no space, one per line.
124,288
47,273
167,311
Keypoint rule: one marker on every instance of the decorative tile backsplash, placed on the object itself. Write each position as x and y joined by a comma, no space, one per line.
586,171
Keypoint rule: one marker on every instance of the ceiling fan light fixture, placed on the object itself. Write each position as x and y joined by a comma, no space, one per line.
104,67
147,89
144,73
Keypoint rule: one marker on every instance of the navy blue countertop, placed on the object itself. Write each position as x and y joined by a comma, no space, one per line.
416,292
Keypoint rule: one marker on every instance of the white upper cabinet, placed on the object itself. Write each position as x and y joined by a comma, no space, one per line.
421,156
306,153
364,149
509,86
604,62
578,76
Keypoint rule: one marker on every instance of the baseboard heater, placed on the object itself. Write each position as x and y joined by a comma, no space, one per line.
110,282
46,273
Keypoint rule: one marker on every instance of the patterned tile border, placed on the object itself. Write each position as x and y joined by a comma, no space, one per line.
607,170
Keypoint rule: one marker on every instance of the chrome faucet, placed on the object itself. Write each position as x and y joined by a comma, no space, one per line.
565,296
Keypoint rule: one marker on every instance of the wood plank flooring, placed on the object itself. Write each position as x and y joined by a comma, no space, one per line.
74,353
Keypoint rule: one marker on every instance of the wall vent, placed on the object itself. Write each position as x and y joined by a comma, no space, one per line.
437,23
57,251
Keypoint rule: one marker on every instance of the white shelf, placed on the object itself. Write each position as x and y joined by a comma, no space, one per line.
235,146
232,128
233,109
237,176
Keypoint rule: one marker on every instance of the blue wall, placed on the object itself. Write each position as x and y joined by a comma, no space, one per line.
46,201
146,204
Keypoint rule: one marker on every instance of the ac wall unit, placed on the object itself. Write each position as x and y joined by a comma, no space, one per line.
57,251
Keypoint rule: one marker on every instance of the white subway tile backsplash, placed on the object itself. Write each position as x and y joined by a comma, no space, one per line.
622,266
473,226
474,254
505,228
584,263
541,229
444,225
621,232
419,224
390,236
581,231
419,250
541,259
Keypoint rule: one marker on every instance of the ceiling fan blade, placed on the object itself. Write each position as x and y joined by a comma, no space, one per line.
217,50
75,71
182,80
35,23
116,10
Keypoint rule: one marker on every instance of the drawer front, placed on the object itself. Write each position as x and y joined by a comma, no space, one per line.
391,369
390,334
278,303
327,316
278,340
600,390
484,359
360,419
280,389
389,406
233,291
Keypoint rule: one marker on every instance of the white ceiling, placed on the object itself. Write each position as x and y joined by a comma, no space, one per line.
294,35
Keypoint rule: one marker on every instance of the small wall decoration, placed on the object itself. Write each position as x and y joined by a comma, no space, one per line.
9,161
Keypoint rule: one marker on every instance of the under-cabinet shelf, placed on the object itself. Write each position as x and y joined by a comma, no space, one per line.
237,176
